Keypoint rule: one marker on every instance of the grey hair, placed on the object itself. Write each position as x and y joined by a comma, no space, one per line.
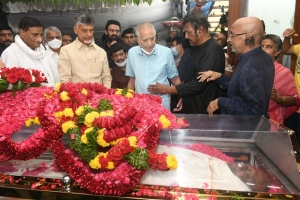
51,28
84,18
144,25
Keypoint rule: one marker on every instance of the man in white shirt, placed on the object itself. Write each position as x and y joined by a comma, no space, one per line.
53,39
28,52
198,170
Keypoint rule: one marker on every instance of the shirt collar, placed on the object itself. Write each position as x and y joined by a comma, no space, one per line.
155,52
79,44
251,52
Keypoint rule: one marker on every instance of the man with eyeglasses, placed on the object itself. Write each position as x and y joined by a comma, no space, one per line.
150,63
249,88
129,37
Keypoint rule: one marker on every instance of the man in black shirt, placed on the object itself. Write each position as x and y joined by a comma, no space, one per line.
206,54
6,37
112,32
249,88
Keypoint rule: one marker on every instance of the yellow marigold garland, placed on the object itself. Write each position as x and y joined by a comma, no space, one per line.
32,121
165,121
172,162
64,96
68,125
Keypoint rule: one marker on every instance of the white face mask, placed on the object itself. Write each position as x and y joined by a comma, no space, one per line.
55,44
122,64
147,52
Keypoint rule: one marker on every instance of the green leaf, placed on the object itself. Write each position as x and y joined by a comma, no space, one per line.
3,85
103,105
138,158
86,111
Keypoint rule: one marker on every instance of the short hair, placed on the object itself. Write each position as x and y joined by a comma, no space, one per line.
117,47
224,33
5,27
180,40
28,22
212,34
84,18
197,20
51,28
66,34
143,25
128,31
112,21
276,39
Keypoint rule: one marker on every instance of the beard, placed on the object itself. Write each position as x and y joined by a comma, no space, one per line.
112,38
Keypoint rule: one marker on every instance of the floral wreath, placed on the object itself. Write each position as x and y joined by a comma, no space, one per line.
94,118
173,25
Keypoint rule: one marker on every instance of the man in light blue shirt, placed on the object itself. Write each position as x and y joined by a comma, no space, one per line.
149,63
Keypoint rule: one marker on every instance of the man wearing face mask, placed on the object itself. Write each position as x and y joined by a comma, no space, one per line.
150,63
52,37
178,45
206,54
118,53
28,52
112,31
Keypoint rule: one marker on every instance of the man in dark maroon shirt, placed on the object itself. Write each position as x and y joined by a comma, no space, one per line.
118,54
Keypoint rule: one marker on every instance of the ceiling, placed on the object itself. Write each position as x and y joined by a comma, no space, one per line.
128,16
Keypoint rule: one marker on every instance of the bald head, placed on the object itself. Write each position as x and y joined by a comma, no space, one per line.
253,26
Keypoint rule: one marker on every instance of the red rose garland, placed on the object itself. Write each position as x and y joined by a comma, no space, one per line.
137,120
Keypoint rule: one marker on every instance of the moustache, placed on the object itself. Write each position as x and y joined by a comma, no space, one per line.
8,41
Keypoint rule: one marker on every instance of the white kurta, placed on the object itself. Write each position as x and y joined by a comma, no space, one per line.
195,170
18,54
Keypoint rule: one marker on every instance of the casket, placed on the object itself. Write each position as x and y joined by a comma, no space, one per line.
254,140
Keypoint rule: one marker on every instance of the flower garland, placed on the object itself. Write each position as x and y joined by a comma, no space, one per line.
93,118
20,78
173,25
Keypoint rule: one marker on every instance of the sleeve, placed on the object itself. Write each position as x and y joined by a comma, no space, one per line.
223,81
251,101
297,50
129,70
183,63
9,59
106,76
64,66
214,62
171,68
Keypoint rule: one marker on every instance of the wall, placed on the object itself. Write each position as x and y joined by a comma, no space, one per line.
277,14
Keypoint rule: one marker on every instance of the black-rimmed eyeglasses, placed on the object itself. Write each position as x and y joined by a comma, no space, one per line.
231,35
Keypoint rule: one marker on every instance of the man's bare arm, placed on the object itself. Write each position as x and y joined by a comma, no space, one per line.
131,83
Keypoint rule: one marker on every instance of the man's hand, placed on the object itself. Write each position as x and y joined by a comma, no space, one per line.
289,33
212,107
158,88
178,106
208,76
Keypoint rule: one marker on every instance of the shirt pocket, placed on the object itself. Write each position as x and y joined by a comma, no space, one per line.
97,66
